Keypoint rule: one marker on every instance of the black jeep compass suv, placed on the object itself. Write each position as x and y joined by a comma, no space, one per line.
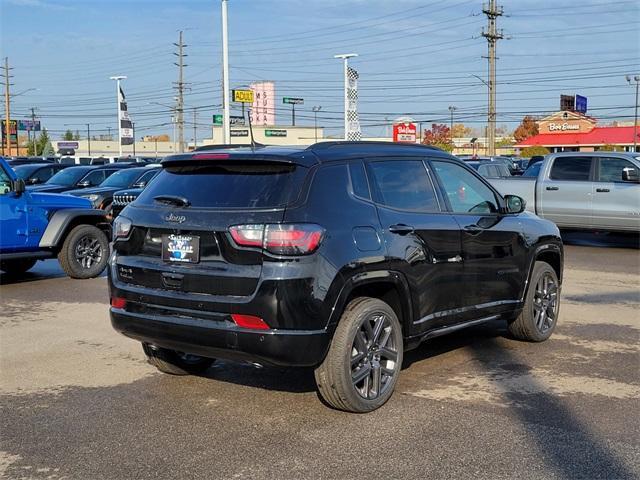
339,256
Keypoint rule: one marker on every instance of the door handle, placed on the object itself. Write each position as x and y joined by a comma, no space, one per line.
602,190
553,188
401,229
473,229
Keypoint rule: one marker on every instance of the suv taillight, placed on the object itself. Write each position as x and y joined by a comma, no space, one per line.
279,239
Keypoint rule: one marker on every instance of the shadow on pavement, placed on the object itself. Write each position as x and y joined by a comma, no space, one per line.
600,239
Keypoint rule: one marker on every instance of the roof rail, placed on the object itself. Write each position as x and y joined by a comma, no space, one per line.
365,143
225,146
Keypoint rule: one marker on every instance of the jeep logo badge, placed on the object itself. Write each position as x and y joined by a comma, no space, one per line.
171,217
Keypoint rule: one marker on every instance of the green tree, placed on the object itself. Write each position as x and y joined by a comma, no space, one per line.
535,150
527,128
68,135
505,142
43,144
76,136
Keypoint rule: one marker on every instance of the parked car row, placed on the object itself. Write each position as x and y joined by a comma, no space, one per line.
64,160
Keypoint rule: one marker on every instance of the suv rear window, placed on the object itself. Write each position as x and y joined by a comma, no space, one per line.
228,185
571,168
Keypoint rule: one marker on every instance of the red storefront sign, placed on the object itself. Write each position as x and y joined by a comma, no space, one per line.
405,132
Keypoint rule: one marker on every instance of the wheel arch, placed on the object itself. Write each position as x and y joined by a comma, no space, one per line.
388,286
63,221
549,253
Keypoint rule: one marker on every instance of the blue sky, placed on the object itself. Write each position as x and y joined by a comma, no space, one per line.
415,58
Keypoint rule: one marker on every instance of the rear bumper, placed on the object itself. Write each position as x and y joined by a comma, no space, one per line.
218,338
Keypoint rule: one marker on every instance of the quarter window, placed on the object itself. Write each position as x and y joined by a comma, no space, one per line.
403,184
571,168
611,169
466,192
359,180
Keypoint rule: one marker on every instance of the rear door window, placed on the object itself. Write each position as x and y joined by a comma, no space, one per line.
571,168
234,184
403,185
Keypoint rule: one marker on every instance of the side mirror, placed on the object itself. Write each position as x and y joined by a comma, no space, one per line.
19,187
630,175
140,185
514,204
33,181
84,184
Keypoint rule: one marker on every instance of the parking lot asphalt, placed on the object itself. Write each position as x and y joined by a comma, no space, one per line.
79,401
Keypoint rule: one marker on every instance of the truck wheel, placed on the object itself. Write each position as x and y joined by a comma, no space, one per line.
176,363
363,364
85,252
17,266
539,315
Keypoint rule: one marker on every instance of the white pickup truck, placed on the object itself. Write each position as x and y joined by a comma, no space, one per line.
582,190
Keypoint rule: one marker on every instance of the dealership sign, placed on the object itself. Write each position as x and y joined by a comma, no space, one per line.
71,145
275,133
239,133
405,132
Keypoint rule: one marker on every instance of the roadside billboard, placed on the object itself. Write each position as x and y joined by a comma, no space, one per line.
263,108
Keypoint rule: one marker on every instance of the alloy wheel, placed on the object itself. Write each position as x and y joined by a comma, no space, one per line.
545,303
374,356
88,251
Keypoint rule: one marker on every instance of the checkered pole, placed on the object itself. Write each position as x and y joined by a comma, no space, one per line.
345,57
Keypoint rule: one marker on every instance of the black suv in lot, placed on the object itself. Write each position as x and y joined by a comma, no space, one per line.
338,256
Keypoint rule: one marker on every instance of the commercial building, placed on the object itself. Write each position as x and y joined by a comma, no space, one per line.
569,131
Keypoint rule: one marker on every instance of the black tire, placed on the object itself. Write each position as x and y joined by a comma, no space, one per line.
176,363
539,315
356,351
17,266
85,252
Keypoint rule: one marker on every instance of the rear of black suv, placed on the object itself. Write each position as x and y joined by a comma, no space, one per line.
208,262
339,256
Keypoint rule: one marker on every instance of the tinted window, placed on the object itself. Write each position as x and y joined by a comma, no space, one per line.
121,178
94,178
359,180
502,171
5,182
611,169
228,185
465,191
147,176
571,168
403,184
68,176
484,170
43,174
533,170
25,171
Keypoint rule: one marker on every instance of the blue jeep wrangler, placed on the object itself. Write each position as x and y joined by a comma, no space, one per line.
35,226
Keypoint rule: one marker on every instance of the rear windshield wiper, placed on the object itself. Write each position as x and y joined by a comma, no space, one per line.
172,200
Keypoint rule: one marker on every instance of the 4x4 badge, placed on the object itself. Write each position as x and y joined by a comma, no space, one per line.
171,217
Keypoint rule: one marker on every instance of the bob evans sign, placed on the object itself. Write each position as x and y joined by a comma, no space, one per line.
563,127
405,132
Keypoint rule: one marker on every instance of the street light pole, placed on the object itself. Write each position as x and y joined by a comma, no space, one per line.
315,111
345,59
117,78
636,79
89,139
451,109
226,127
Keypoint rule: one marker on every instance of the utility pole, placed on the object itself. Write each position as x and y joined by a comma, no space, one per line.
88,139
109,134
133,127
451,109
7,105
180,87
492,11
117,78
345,58
226,127
636,79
